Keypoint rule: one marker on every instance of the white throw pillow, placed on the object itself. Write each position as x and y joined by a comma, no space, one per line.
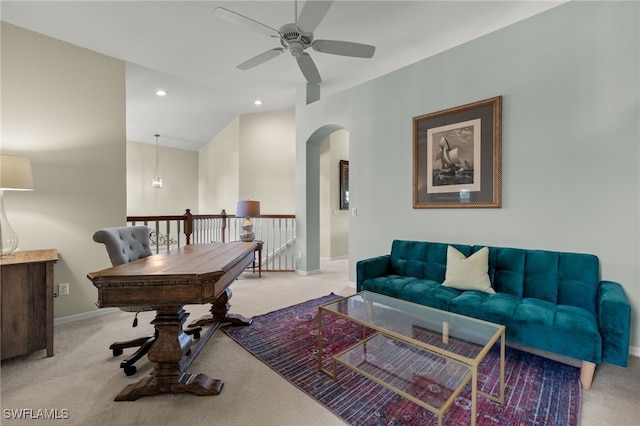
468,273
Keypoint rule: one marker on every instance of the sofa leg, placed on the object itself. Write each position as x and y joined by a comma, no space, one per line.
586,374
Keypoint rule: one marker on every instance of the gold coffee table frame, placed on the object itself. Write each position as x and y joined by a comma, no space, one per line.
395,321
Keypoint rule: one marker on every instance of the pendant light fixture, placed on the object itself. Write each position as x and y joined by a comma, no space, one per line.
156,182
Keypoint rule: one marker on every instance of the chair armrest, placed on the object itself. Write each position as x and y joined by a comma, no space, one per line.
372,268
614,318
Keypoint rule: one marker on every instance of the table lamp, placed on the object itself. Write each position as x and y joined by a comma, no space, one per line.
247,209
15,175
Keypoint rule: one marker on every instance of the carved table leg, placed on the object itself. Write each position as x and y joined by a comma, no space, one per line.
168,350
220,313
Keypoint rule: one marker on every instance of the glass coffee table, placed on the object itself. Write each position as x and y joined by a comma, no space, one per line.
423,354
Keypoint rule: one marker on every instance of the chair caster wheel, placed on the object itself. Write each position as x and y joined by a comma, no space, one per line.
196,335
117,352
130,370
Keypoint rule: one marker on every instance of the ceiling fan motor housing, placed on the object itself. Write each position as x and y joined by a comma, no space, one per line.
294,39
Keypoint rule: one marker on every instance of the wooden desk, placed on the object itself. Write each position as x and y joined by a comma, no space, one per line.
197,273
27,302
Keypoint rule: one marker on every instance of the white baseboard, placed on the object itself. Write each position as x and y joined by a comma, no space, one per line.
345,256
634,351
306,273
83,315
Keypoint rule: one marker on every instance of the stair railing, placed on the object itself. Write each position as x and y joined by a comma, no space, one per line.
277,232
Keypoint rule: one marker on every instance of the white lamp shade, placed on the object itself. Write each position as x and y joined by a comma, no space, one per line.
246,208
15,173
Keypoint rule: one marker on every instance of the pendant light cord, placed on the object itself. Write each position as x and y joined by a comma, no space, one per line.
157,157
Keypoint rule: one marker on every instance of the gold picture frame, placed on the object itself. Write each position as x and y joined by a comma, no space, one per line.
457,157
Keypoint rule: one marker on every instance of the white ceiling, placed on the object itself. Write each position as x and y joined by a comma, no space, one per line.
182,47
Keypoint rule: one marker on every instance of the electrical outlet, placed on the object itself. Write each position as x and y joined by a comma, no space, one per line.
63,289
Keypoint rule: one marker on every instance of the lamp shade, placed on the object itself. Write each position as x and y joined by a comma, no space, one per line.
246,208
15,173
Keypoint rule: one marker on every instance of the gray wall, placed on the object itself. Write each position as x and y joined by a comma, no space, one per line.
570,146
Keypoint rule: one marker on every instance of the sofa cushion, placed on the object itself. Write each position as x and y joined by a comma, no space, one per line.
425,292
569,330
556,277
431,293
468,273
497,307
391,285
422,259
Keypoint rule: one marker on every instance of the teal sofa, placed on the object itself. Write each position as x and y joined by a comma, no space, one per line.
552,301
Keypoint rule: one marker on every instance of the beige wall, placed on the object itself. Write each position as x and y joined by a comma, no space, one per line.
64,108
334,223
219,170
252,158
267,160
178,169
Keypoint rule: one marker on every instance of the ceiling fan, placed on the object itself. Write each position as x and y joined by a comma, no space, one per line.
296,37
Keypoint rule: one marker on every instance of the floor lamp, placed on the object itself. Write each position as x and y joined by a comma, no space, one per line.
247,209
15,175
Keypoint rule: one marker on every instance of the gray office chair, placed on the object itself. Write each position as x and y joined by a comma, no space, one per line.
126,244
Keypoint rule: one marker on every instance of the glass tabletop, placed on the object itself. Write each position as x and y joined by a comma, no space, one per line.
457,336
422,376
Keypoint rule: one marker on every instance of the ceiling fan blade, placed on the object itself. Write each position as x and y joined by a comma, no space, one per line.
261,58
344,48
308,68
236,18
313,12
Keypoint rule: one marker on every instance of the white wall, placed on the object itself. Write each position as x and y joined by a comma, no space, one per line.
570,143
178,169
64,108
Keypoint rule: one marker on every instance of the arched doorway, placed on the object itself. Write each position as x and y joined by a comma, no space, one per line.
308,233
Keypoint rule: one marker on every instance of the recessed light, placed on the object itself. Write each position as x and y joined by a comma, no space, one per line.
162,92
257,102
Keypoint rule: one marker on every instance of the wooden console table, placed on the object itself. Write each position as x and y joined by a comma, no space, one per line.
27,302
194,274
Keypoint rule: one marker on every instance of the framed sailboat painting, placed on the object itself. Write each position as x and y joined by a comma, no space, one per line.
457,157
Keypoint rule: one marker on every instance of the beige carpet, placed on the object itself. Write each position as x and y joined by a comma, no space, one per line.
83,377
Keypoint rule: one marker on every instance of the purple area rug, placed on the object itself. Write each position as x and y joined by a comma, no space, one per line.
538,391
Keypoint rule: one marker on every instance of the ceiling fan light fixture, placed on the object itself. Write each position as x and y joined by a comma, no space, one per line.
296,48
